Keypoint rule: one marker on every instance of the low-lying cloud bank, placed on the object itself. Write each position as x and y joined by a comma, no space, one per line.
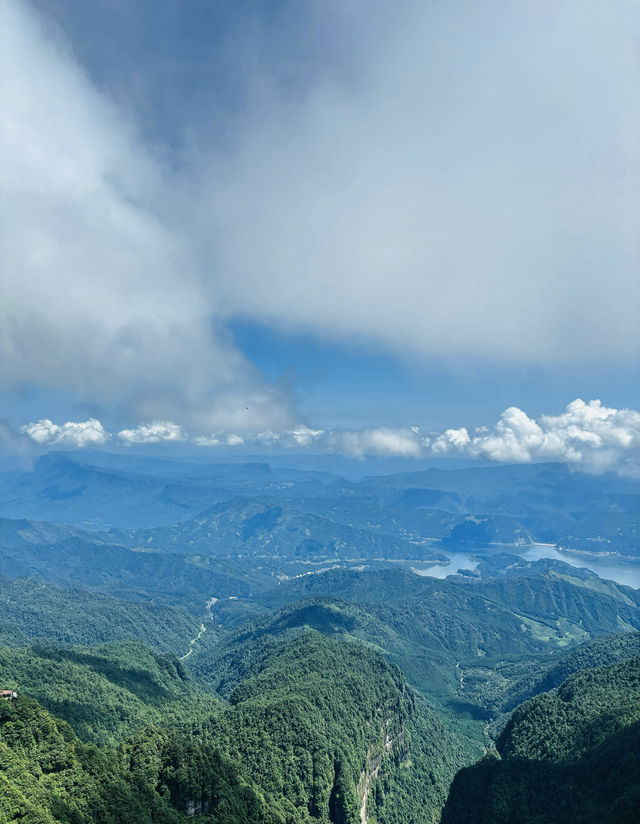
84,433
589,435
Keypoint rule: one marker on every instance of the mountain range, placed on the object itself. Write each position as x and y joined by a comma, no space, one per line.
242,643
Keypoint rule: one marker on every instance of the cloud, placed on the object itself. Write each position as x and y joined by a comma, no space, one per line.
83,434
152,433
223,439
102,298
469,189
449,439
208,440
453,181
588,435
304,436
383,441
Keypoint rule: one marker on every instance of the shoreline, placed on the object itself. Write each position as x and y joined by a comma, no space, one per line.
520,547
614,556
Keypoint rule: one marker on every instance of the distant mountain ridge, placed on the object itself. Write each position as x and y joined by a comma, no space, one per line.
245,526
542,502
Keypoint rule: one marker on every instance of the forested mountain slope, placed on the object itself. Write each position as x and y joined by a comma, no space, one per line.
106,692
322,722
427,626
506,684
316,730
48,776
570,756
32,610
473,648
139,575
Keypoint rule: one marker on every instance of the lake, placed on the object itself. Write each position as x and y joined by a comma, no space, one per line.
620,571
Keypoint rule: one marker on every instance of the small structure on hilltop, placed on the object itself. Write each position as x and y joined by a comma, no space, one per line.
8,695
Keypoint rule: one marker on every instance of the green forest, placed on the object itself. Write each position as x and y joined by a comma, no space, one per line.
302,727
571,756
274,658
118,733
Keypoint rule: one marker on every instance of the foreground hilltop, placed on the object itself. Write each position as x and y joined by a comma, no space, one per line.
317,730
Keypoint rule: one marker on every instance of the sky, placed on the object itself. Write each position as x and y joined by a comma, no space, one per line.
402,229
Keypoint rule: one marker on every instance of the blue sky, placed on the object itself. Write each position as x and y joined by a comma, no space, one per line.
283,217
348,385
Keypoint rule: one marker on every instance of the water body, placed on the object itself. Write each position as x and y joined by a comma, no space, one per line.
612,569
457,560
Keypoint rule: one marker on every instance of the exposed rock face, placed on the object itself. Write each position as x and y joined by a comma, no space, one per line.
196,806
394,746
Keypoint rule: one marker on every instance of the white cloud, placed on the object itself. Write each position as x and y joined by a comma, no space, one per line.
152,433
102,298
385,441
460,182
207,440
470,190
589,435
449,439
304,436
224,439
268,438
82,434
234,440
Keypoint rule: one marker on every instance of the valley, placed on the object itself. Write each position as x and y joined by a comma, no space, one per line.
301,648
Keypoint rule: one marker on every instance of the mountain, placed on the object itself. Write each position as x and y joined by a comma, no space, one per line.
49,776
15,533
569,756
517,503
31,610
541,502
75,558
97,490
345,727
306,727
106,692
316,730
60,489
501,686
471,648
320,678
548,605
247,527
